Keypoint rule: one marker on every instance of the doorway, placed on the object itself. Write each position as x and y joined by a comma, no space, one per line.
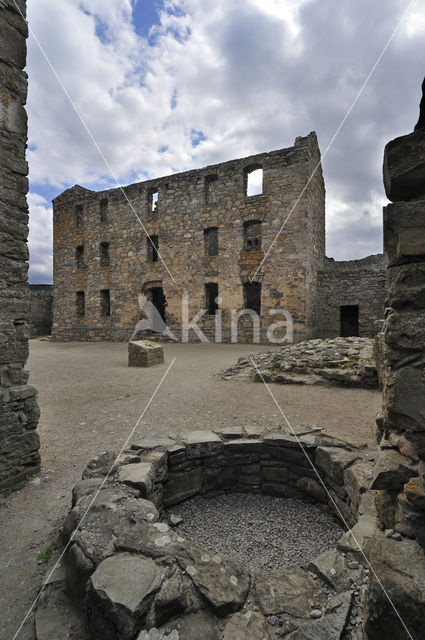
158,299
349,320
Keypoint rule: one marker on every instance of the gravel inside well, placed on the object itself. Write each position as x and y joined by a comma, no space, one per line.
260,532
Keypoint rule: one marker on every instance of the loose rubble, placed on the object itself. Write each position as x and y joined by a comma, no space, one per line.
342,361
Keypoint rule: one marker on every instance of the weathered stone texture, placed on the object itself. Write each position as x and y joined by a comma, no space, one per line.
19,412
144,353
359,283
41,309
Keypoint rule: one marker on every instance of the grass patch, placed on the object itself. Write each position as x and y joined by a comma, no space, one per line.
44,556
6,493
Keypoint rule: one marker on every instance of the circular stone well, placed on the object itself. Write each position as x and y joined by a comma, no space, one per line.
259,552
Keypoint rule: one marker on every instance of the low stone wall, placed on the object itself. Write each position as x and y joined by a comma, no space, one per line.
41,309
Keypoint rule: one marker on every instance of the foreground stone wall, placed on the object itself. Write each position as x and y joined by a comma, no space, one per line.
19,442
188,204
41,309
359,283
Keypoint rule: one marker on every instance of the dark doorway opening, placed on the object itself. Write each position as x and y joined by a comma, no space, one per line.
349,320
252,296
158,300
211,295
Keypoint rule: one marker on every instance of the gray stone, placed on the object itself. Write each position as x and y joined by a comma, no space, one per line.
85,488
120,593
333,461
404,167
180,486
400,569
140,475
287,591
359,535
194,626
201,444
392,470
312,488
222,582
247,626
176,596
331,625
330,566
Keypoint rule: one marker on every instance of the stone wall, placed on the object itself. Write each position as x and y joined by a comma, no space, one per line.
19,442
188,204
345,283
41,309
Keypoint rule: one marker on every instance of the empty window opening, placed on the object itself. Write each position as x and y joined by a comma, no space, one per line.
153,200
79,256
211,193
80,304
104,254
252,235
254,181
152,248
211,296
349,320
211,241
158,299
79,216
105,302
252,296
103,208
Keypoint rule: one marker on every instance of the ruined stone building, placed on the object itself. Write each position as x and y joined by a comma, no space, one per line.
19,442
206,232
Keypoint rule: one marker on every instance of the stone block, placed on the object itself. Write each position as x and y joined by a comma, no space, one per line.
139,475
404,167
180,486
333,461
144,353
404,399
392,470
202,444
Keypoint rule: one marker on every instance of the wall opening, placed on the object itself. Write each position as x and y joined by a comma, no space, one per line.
211,192
152,248
211,241
105,302
158,300
211,295
252,296
349,320
103,209
79,216
79,256
253,181
252,235
153,196
104,254
80,304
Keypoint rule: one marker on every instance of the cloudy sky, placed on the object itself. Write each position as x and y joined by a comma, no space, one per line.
169,85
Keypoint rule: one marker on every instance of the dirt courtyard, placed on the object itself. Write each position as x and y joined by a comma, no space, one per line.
90,401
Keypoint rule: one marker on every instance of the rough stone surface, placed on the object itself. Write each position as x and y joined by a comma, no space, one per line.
19,412
120,592
41,309
287,591
248,626
342,361
144,353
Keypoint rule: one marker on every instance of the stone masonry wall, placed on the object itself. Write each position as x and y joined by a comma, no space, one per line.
19,413
41,309
188,203
352,282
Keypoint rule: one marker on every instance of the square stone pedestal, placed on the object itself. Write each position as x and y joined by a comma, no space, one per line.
144,353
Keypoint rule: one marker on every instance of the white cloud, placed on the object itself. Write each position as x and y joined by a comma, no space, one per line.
40,239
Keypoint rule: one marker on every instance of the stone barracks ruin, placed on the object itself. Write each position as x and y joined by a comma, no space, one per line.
211,228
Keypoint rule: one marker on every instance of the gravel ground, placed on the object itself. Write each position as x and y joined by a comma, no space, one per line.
260,532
